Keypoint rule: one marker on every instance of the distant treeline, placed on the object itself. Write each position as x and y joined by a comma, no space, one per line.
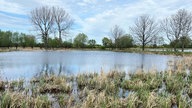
15,39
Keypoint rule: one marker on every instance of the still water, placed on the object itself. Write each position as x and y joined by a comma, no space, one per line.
26,64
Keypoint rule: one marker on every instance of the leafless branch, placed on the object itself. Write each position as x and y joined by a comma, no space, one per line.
145,29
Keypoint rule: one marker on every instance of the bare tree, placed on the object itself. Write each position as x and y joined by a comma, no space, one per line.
145,29
116,33
178,26
43,20
63,21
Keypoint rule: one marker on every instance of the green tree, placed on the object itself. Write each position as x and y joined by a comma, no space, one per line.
125,41
54,43
22,40
30,41
15,39
116,33
5,39
80,40
67,44
92,43
107,42
1,37
184,42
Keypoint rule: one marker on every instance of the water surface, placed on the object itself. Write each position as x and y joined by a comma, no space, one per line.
26,64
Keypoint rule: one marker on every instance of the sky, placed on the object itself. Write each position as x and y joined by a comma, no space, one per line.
95,18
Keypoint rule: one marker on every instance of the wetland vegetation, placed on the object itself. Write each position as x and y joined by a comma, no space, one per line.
140,89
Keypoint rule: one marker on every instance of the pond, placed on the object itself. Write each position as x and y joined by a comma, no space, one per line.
26,64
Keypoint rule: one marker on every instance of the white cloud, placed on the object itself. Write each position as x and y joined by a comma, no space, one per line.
11,7
89,1
108,0
17,24
82,4
50,2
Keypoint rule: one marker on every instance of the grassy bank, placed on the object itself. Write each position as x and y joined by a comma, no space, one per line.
5,49
172,88
155,51
129,50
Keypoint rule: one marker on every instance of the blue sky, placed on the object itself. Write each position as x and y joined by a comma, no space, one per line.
92,17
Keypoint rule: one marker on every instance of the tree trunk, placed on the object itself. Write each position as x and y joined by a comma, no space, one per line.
183,47
143,42
46,42
143,46
115,44
175,49
16,46
60,39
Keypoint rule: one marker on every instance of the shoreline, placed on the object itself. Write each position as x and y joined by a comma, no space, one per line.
130,50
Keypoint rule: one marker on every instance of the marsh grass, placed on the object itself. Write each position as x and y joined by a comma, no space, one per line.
108,82
18,100
102,100
133,100
174,84
62,100
142,80
16,85
51,84
2,85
